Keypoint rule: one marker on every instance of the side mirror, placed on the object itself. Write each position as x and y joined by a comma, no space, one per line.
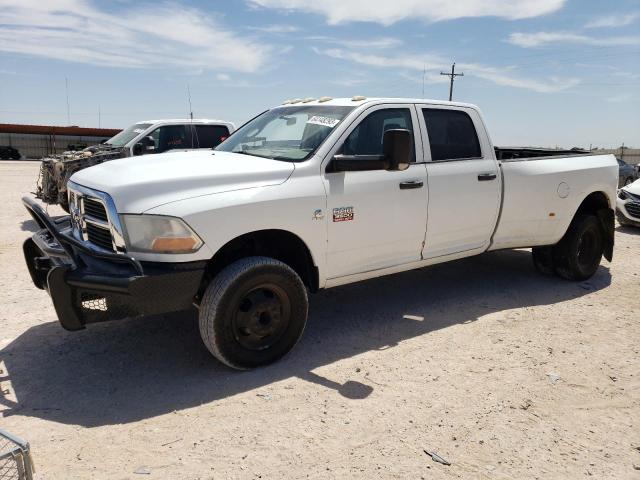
397,147
138,149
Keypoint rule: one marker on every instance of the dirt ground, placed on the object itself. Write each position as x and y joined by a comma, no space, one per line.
501,371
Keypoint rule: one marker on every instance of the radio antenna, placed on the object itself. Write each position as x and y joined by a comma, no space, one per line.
189,98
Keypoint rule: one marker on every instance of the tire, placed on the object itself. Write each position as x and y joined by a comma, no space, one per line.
543,260
577,256
253,312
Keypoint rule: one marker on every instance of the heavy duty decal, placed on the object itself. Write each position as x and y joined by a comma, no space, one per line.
343,214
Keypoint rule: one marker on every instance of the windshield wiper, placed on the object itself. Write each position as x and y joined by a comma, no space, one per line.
244,152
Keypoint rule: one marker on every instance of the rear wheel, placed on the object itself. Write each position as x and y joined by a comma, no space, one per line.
577,256
253,312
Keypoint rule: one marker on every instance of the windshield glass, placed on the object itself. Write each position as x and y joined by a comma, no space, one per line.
128,134
290,133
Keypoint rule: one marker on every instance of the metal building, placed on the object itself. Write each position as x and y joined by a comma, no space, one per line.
37,141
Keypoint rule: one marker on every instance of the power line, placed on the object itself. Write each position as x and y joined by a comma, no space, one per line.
452,77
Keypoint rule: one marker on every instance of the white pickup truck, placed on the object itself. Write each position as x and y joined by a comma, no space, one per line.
308,195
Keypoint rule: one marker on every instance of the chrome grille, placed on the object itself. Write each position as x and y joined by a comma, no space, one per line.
95,209
633,208
94,219
99,236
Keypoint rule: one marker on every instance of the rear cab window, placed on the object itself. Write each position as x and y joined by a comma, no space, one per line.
452,135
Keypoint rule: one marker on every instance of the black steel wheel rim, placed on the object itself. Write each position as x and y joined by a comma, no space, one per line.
587,248
261,316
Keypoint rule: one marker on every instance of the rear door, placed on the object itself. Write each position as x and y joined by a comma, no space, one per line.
464,180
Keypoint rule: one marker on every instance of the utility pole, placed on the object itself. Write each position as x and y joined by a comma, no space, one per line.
66,88
452,76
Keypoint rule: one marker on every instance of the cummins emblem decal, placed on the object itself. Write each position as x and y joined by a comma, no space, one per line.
343,214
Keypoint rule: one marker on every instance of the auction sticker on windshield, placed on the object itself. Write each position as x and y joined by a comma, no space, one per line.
324,121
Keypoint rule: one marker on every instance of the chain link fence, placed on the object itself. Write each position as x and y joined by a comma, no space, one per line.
15,458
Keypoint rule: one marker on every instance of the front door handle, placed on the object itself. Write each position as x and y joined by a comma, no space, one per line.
411,184
485,177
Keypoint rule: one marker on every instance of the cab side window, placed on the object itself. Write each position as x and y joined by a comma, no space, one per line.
170,137
366,138
209,136
452,135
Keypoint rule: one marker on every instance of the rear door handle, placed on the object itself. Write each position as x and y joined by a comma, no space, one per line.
411,184
485,177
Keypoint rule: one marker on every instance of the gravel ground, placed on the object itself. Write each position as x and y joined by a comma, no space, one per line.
501,371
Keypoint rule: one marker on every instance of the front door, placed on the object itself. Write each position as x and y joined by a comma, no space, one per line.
376,219
464,181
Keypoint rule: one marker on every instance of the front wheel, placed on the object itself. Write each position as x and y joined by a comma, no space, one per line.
253,312
577,256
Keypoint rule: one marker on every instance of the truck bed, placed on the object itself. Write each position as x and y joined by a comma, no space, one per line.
542,194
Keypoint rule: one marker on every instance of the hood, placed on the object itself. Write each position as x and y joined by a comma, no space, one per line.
633,188
137,184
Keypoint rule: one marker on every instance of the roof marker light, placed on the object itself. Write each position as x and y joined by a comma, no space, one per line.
358,98
324,99
308,99
296,100
286,102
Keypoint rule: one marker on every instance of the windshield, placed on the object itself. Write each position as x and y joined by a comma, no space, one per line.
128,134
289,133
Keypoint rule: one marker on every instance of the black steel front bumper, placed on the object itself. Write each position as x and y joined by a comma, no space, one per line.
88,286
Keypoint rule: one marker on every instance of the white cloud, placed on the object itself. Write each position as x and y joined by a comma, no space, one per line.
275,29
541,39
432,64
387,13
614,20
380,42
223,77
620,98
167,35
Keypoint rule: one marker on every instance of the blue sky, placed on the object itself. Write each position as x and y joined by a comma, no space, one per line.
544,72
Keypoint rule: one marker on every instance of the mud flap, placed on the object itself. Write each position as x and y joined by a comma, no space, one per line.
607,222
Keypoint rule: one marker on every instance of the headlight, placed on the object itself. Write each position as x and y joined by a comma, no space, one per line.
158,234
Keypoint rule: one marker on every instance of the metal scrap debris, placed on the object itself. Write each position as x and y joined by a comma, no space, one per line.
437,458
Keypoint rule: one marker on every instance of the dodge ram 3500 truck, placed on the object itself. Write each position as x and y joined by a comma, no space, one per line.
308,195
142,138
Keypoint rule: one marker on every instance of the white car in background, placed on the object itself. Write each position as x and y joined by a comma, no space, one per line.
628,204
